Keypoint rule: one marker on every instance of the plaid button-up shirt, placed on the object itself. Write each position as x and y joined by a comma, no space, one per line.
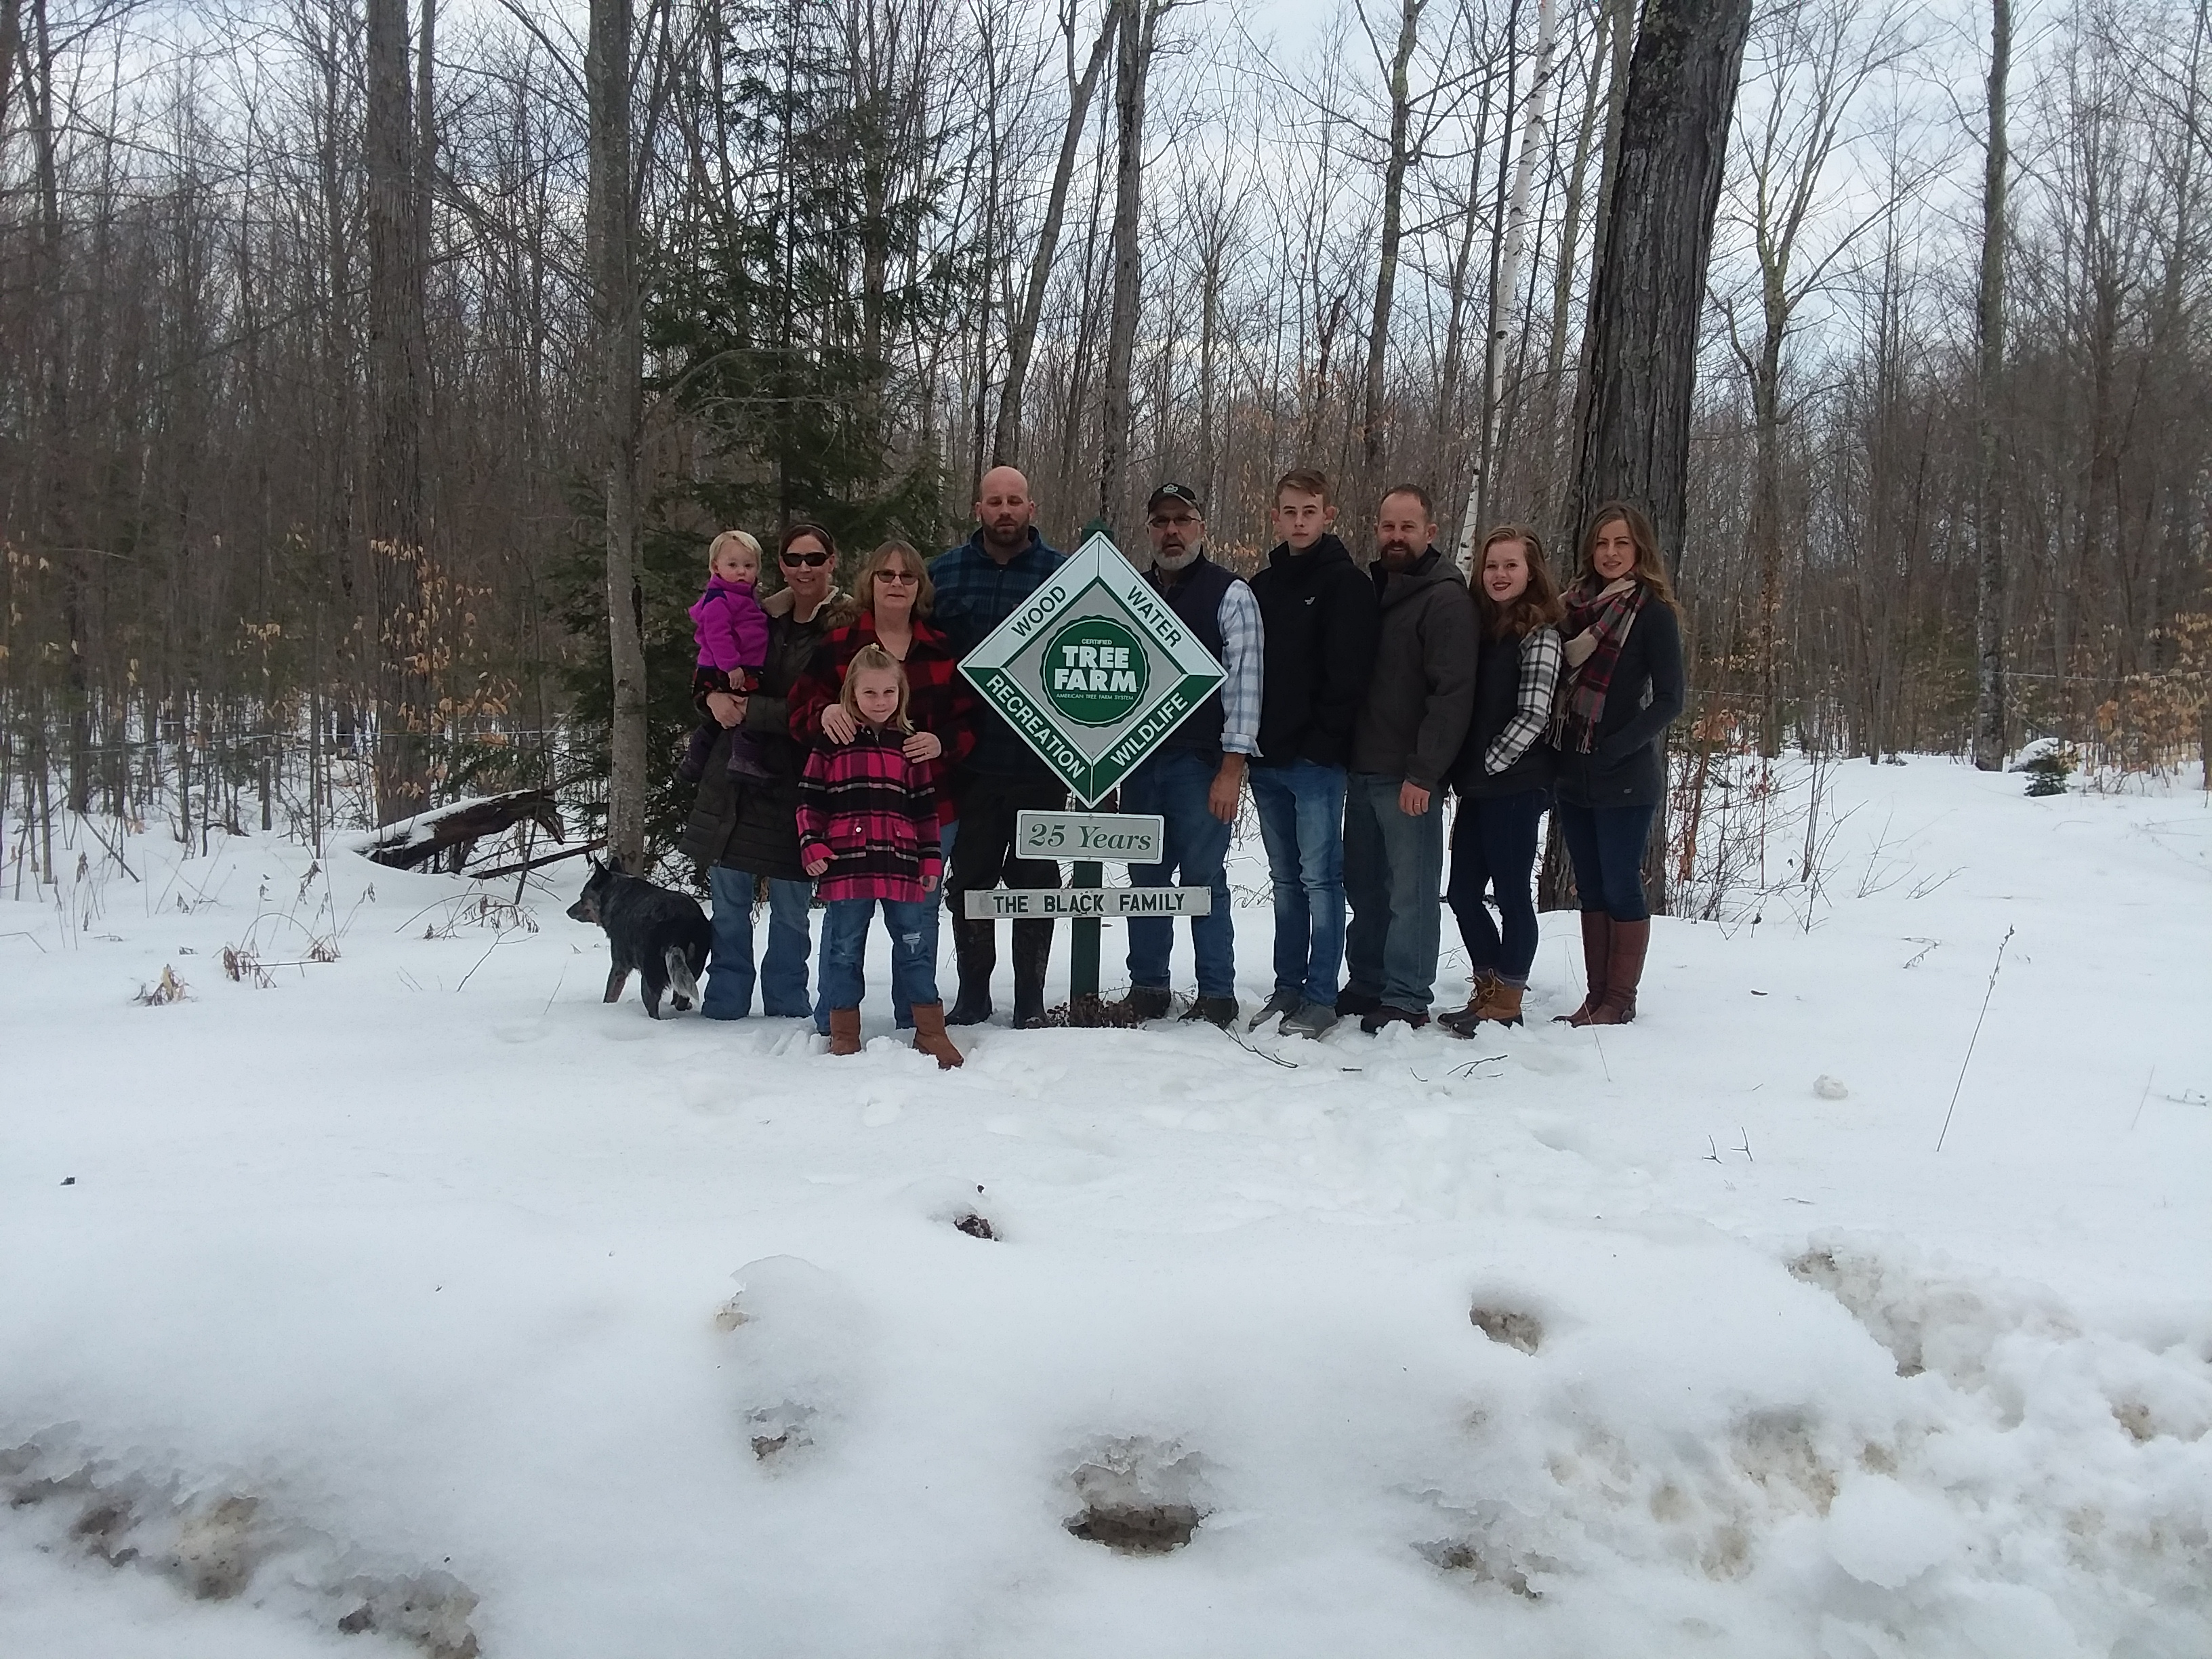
974,595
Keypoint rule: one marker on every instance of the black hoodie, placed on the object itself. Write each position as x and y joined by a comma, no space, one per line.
1319,610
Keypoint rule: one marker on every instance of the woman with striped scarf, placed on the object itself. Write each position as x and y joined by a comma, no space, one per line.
1622,689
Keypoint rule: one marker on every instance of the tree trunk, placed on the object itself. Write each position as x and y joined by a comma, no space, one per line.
397,370
1989,597
1386,261
1533,128
613,228
1006,441
1132,64
1648,297
1562,277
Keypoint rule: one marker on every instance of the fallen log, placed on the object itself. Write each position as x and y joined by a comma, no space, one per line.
457,827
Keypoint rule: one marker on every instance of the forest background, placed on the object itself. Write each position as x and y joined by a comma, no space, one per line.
322,443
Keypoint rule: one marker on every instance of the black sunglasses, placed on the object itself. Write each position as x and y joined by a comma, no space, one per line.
807,558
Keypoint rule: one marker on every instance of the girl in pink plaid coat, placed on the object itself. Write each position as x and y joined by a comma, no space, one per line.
868,834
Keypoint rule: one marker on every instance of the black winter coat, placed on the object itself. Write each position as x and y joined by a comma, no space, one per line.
1320,614
1626,765
752,824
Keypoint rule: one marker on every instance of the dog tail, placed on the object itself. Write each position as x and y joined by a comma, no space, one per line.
679,975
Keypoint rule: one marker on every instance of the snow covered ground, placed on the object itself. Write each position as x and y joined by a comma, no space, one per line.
417,1303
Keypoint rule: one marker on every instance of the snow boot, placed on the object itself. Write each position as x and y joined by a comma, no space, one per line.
929,1035
844,1030
1461,1022
1597,951
1147,1002
1624,969
976,952
1501,1002
1032,951
1384,1013
1214,1010
1285,1003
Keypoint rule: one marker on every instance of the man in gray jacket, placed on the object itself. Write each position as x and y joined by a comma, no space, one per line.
1405,740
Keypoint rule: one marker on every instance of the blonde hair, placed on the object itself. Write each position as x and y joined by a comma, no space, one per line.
740,538
864,588
871,658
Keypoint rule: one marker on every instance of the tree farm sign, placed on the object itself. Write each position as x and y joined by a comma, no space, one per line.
1094,672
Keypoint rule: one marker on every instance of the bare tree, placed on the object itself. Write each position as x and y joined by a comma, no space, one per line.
1021,339
615,306
1989,741
1139,39
1813,61
399,374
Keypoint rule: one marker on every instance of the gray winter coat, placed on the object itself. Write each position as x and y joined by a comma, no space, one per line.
1422,693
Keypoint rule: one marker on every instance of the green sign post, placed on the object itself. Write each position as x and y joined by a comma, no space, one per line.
1093,672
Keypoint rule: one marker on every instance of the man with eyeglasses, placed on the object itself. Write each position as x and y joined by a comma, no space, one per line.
979,585
1196,778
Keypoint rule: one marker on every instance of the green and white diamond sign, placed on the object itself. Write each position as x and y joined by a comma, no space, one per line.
1094,672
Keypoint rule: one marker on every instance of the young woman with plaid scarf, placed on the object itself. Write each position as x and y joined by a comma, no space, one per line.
1622,689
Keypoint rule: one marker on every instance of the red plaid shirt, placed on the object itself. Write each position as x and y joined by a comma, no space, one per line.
870,810
940,701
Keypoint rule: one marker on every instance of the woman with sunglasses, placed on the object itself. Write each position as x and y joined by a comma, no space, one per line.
892,599
745,829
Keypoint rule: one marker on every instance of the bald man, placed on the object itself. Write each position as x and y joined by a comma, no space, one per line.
979,584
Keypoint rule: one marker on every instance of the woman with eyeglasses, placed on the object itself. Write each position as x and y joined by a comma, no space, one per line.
891,604
745,829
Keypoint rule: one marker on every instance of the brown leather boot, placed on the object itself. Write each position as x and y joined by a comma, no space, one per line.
844,1030
929,1035
1500,1002
1631,939
1597,951
1461,1022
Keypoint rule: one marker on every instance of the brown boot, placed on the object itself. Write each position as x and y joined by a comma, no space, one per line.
1631,939
929,1035
1461,1022
844,1030
1500,1002
1597,950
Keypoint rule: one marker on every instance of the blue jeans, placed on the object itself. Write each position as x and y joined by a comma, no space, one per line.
1606,846
1174,783
1493,844
729,992
845,950
1301,806
902,1009
1392,865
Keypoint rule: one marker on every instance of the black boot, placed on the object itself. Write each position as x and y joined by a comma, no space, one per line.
1032,951
976,952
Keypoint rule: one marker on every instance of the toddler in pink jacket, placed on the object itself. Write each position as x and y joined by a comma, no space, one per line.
731,630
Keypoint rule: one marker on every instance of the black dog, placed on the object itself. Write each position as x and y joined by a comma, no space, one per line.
664,935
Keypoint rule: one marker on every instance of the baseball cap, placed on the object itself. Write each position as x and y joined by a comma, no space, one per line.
1175,492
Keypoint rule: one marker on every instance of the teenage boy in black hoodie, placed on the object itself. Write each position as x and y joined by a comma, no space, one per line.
1319,612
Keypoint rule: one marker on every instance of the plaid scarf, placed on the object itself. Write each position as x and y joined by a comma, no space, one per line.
1608,618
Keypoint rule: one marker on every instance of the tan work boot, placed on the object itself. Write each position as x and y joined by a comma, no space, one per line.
1461,1022
929,1035
1500,1002
844,1030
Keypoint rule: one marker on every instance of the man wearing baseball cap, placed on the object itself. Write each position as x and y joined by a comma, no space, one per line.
1194,778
